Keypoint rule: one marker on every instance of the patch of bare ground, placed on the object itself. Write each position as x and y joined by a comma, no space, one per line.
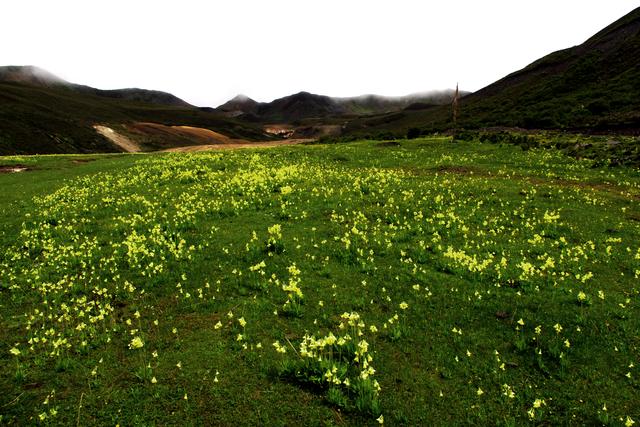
196,135
13,168
126,144
283,130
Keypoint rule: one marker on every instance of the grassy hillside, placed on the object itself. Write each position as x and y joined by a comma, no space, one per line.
416,282
594,86
33,76
55,120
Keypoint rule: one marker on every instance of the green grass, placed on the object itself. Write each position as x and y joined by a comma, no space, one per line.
491,285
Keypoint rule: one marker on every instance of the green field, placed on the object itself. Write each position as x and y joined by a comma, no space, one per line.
417,282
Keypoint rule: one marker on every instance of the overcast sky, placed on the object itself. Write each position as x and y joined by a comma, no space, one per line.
208,51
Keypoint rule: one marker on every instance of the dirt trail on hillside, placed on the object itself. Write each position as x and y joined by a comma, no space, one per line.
120,140
232,145
207,134
178,135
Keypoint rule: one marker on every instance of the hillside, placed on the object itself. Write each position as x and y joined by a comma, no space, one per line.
42,119
30,75
593,86
138,95
35,76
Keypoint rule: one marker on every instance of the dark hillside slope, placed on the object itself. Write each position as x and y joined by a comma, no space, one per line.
593,86
299,106
138,95
34,76
30,75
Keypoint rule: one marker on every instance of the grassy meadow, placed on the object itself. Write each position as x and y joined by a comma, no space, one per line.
410,282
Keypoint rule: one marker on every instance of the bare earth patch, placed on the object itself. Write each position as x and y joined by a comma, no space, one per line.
180,134
13,169
121,141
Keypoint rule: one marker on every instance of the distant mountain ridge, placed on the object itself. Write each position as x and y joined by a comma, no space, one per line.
305,105
35,76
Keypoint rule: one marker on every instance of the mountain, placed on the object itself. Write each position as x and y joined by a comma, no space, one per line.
34,76
594,86
42,114
30,75
240,104
305,105
299,106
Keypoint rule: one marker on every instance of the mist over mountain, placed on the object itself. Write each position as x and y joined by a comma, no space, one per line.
30,75
35,76
304,105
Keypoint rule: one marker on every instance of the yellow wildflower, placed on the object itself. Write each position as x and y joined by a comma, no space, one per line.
136,343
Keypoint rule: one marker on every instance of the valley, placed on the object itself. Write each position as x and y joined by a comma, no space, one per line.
439,258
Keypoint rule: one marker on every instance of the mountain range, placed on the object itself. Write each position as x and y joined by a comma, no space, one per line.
41,114
305,105
593,87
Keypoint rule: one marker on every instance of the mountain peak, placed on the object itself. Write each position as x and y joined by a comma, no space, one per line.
239,104
241,98
31,75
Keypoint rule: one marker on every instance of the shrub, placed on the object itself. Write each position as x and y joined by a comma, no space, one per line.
413,133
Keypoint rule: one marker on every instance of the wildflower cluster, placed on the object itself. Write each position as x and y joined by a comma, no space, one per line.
341,364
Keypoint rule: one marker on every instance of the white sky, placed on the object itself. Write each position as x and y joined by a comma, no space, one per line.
208,51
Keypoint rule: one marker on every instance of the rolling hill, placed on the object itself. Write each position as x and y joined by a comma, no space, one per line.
42,114
594,86
35,76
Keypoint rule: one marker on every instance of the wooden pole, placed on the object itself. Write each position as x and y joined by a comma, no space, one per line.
454,106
